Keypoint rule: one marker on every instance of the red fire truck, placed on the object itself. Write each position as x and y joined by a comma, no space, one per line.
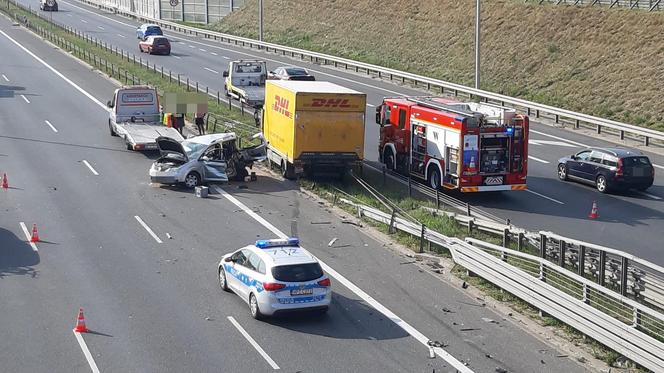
472,147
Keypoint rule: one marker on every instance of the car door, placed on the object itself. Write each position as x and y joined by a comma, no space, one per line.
575,165
247,275
214,164
592,166
234,269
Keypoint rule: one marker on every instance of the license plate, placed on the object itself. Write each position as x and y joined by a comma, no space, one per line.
301,291
494,180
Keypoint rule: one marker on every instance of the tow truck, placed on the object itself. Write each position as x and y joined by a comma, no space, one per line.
134,116
245,82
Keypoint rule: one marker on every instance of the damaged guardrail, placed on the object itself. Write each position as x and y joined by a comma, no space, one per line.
630,328
557,115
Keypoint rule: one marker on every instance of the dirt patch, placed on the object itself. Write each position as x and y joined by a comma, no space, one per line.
599,61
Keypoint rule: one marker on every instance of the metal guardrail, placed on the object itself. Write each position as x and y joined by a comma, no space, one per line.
649,5
557,115
628,327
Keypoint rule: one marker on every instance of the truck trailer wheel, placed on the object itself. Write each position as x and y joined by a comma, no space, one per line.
287,170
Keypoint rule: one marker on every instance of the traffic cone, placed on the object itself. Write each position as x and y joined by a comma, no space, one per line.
80,323
593,212
471,165
35,235
5,182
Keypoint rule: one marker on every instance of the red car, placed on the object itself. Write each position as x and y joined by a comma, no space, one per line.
155,45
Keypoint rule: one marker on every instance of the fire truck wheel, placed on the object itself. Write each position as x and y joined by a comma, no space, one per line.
389,160
434,178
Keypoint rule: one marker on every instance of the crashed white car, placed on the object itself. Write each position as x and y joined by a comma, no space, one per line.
202,159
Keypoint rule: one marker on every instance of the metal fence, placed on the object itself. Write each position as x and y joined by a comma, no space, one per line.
649,5
196,11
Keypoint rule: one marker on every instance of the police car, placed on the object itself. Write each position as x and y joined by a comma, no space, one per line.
276,276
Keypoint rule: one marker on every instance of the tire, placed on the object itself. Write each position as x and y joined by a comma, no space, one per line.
434,178
562,172
223,284
253,308
287,170
389,159
228,94
110,129
193,179
601,184
128,145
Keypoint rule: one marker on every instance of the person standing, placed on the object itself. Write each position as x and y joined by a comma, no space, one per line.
200,123
178,122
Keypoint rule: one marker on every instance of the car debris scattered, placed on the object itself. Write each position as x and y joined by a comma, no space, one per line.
332,242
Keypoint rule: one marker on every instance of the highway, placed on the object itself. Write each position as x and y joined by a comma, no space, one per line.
548,204
141,259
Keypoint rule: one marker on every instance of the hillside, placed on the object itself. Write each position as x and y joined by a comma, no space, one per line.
603,62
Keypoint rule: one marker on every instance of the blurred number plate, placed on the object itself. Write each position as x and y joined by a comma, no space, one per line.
301,291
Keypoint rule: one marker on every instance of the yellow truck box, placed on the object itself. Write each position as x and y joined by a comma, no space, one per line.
309,125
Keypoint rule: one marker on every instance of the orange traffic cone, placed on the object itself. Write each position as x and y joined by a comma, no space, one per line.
35,235
593,212
471,165
80,322
5,182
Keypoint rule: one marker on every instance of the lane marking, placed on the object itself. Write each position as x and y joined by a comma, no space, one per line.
100,27
120,35
191,46
560,138
658,166
174,56
202,50
210,70
650,195
228,58
90,167
253,343
140,221
537,159
352,287
28,236
370,105
214,54
52,127
84,21
25,99
88,95
543,196
5,78
69,15
86,352
549,142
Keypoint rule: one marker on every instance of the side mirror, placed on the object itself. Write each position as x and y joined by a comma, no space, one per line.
573,156
109,103
225,74
228,259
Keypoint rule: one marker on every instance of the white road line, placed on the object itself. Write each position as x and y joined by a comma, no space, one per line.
90,167
25,99
212,71
28,236
214,54
5,78
352,287
88,95
86,352
192,46
50,125
140,221
84,21
369,105
120,35
253,343
651,195
658,166
543,196
228,58
202,50
174,56
559,138
100,27
537,159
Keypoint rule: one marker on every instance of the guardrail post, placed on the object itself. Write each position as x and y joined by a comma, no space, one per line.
582,260
470,226
170,76
586,295
410,191
334,196
623,275
636,320
506,237
562,249
646,141
602,268
599,129
242,108
162,72
178,80
622,134
390,229
577,124
437,199
196,87
537,113
543,245
557,118
520,241
218,99
422,238
467,209
359,211
187,84
230,104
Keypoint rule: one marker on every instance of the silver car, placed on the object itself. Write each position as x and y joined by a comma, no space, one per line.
201,159
276,276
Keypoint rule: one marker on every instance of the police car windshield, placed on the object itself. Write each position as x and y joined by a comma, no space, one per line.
297,272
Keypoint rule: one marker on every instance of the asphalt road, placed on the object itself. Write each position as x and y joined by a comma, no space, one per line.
547,205
153,302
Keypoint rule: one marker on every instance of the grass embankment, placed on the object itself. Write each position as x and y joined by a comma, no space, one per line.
599,61
128,70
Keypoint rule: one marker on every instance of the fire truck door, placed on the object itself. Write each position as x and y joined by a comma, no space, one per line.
451,165
418,149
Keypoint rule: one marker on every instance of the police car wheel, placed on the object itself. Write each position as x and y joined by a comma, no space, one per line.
222,279
253,307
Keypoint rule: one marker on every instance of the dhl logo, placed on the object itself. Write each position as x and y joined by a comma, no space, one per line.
281,106
330,102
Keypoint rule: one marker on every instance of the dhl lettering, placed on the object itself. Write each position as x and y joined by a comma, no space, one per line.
281,106
329,102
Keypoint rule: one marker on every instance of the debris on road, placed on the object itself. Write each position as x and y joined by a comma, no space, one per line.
351,223
169,236
500,370
464,285
332,242
491,321
469,329
411,262
321,222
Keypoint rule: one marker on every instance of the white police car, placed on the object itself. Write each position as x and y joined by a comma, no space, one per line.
276,276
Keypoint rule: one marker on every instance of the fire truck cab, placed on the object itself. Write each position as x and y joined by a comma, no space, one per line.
471,147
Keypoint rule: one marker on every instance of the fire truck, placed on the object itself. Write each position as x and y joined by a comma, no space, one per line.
470,147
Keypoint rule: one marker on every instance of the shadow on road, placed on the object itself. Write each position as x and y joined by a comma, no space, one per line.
8,91
16,256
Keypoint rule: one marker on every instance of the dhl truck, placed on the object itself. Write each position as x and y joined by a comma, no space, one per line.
313,126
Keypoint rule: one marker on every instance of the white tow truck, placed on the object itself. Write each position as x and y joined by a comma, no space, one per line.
135,116
245,82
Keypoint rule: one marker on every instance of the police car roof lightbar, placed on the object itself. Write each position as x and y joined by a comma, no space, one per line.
277,242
